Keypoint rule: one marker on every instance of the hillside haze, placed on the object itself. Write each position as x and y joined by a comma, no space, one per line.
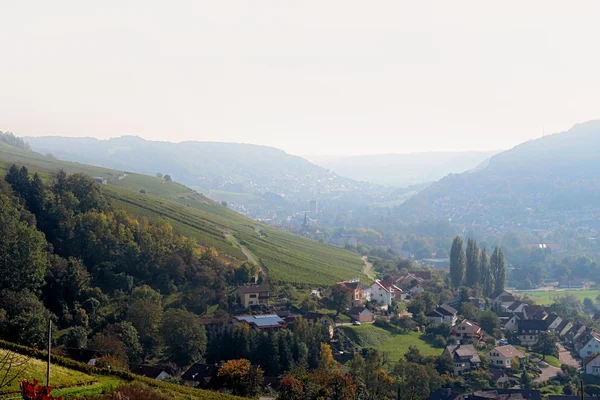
534,187
401,170
209,165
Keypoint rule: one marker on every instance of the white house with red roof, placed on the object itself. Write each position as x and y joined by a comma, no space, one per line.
383,292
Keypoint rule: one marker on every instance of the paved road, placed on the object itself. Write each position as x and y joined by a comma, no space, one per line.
548,372
566,357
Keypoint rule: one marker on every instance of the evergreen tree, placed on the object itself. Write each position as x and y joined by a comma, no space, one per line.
473,259
485,276
526,382
457,262
498,269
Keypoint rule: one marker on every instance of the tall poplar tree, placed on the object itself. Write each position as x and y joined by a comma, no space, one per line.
498,269
485,276
457,262
473,272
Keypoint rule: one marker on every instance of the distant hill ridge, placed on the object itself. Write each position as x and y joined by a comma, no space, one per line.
402,170
236,172
534,184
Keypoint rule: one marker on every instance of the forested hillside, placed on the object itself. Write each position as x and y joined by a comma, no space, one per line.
539,185
101,273
284,256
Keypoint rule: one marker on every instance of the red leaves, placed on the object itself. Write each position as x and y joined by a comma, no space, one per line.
33,391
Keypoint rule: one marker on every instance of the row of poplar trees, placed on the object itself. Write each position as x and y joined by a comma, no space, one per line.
475,267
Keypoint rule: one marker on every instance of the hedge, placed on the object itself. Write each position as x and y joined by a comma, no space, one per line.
121,374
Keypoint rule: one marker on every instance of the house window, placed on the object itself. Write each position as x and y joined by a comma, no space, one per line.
253,296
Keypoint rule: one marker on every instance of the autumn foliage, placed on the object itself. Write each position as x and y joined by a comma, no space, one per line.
34,391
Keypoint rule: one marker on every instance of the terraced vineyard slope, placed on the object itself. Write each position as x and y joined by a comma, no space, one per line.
287,258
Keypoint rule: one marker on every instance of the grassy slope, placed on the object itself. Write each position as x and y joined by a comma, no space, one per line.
36,369
394,344
286,257
547,297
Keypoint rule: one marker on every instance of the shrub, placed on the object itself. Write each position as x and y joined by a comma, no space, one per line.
133,392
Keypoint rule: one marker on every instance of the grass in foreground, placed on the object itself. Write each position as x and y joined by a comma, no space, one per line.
103,385
548,296
36,369
396,345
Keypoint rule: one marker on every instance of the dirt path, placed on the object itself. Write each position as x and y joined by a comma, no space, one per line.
367,269
246,252
566,357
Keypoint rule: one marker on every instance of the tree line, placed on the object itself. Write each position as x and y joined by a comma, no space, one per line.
130,288
474,267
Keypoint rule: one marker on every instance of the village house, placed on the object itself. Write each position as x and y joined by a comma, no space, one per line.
503,356
464,356
252,295
361,314
591,365
508,321
553,321
442,314
528,330
417,289
466,330
588,344
158,373
262,322
397,293
382,293
425,275
515,307
534,312
202,375
407,281
501,379
323,319
86,356
504,394
502,298
563,328
360,294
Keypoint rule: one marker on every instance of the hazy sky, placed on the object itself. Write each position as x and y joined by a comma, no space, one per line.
310,77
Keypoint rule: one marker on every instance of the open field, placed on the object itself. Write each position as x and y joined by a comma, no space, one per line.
36,369
396,345
548,296
286,257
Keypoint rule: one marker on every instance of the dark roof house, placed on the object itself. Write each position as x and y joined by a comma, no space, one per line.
203,375
86,356
151,372
532,326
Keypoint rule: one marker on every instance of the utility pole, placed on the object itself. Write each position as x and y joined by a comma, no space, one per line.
49,350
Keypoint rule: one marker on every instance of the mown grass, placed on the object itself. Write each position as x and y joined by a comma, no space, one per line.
287,258
36,369
396,345
548,296
103,385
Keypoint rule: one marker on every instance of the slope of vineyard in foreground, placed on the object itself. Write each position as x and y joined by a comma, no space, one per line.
286,257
